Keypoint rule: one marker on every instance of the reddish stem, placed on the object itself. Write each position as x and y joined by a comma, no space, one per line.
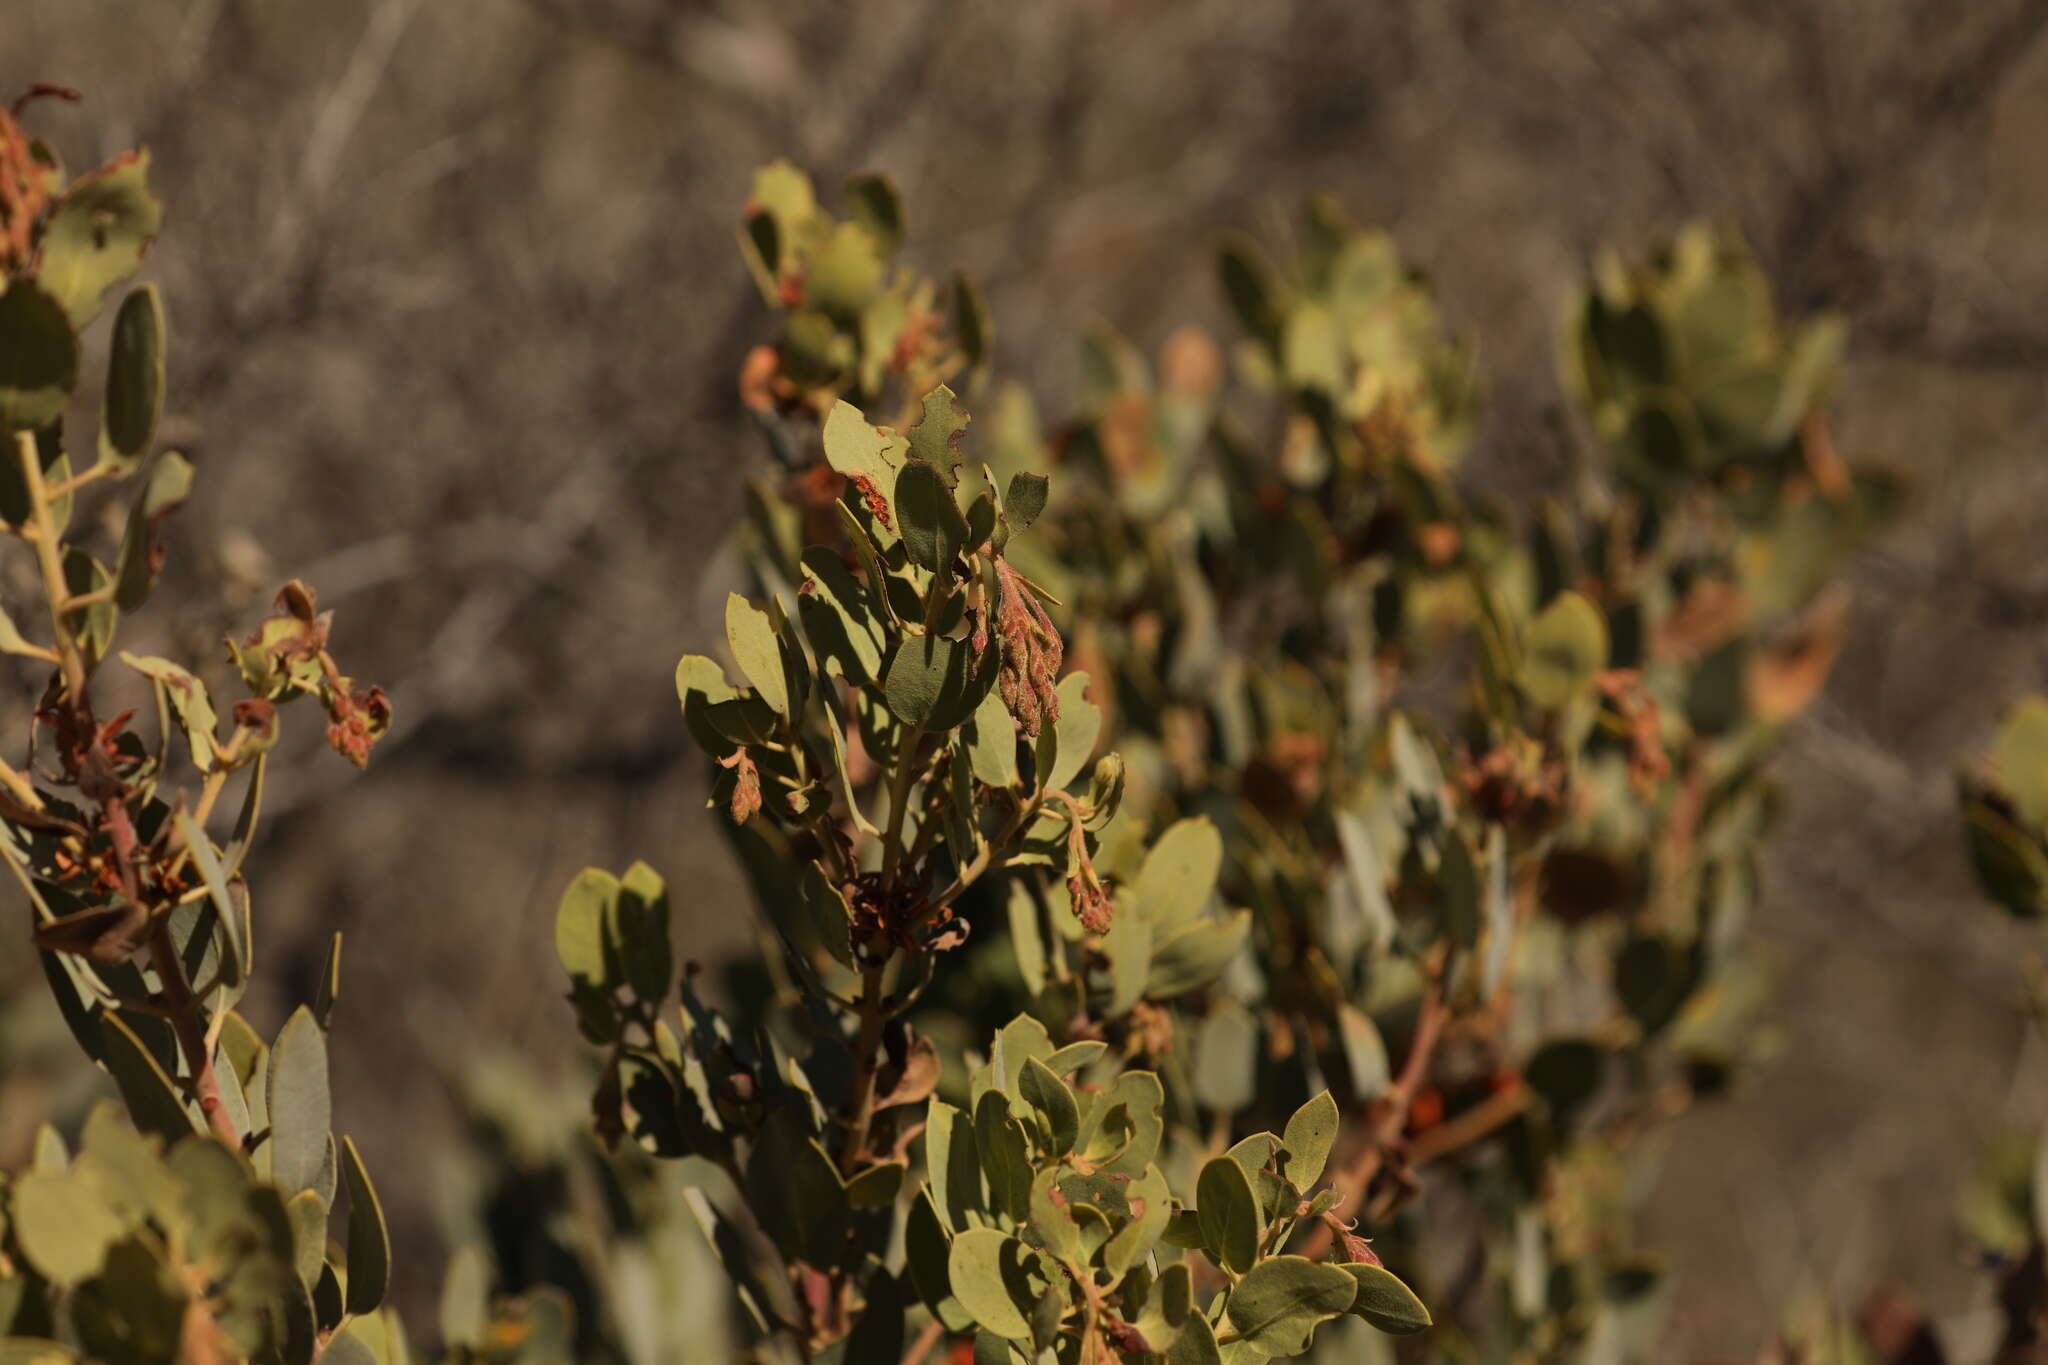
1391,1108
926,1339
183,1009
179,1003
1469,1127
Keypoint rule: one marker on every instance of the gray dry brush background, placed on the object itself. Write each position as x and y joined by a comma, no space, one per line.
458,310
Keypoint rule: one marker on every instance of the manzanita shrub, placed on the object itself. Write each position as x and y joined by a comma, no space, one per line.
903,735
197,1226
1424,843
1229,890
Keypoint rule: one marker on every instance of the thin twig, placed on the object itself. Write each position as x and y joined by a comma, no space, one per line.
49,556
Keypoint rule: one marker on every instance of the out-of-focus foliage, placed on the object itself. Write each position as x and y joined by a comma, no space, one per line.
2002,1213
855,325
2004,1209
2005,812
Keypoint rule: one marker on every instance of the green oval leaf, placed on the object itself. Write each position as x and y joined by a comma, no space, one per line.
1562,649
1049,1097
925,1252
844,271
1277,1305
300,1110
308,1218
135,379
1079,729
96,234
1025,499
1179,873
38,359
994,751
62,1226
1150,1200
755,649
1307,1139
585,938
1196,1344
927,517
1385,1302
1227,1048
986,1270
369,1241
1196,955
934,684
170,483
875,203
1229,1214
935,438
465,1313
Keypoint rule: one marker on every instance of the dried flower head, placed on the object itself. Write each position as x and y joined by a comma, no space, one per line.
357,719
746,786
1091,900
21,197
1032,653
